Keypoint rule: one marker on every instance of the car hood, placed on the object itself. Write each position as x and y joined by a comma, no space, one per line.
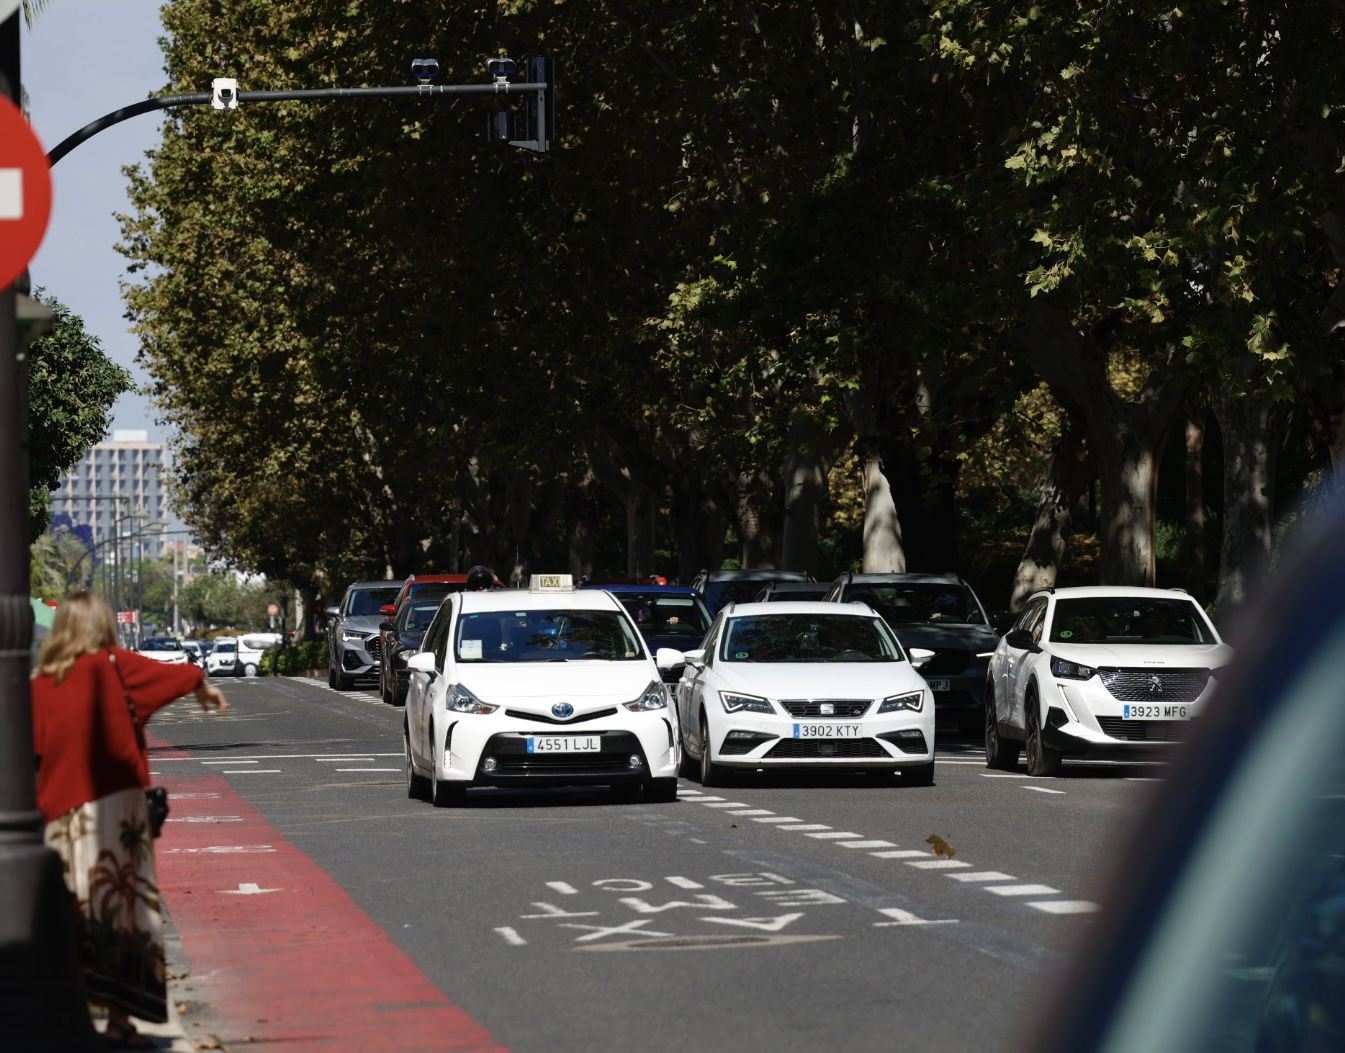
819,679
534,686
937,637
363,623
1145,656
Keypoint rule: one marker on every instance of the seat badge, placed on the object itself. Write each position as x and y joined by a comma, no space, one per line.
562,710
826,709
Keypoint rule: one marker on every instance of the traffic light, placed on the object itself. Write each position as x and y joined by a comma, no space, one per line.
539,109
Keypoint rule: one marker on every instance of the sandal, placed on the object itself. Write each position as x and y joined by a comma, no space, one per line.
127,1037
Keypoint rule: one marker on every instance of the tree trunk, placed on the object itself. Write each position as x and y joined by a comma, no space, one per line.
583,508
756,519
1066,477
700,522
1128,473
640,507
924,494
812,455
883,552
1249,487
1195,501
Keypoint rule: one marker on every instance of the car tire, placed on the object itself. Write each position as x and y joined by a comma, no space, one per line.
383,692
660,791
921,776
417,786
999,754
444,794
331,676
344,683
1042,761
710,773
249,670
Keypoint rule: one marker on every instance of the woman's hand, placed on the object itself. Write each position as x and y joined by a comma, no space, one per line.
211,697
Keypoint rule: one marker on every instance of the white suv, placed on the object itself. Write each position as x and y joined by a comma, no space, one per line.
1098,671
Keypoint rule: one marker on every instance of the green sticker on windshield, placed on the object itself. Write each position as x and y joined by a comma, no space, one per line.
739,654
1065,634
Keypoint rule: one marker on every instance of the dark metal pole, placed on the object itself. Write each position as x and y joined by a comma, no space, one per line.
42,1005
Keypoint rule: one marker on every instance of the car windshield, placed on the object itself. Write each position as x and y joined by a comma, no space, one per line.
160,645
368,601
734,590
791,592
906,603
416,617
661,615
223,648
1129,620
546,636
808,638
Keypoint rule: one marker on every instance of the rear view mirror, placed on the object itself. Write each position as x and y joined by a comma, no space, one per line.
332,612
919,656
669,659
695,659
386,626
421,662
1021,640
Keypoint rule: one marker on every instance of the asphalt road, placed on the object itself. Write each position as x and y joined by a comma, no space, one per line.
783,913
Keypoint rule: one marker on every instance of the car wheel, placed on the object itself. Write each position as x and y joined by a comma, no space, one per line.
999,754
921,776
417,786
383,692
660,791
710,774
344,683
249,670
331,676
1042,761
444,794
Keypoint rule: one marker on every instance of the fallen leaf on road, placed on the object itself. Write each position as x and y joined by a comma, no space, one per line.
942,849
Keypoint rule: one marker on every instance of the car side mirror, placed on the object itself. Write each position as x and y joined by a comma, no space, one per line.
1021,640
332,612
422,662
919,656
386,626
669,659
695,659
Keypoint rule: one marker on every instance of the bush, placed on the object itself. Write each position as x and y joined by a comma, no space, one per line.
289,661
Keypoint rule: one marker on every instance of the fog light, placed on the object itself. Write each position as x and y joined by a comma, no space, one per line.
909,733
488,764
634,761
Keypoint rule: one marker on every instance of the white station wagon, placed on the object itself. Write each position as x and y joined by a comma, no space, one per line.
548,686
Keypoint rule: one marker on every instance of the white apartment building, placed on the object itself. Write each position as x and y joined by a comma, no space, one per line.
118,485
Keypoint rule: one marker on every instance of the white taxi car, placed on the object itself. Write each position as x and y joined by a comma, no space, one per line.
803,684
1101,671
548,686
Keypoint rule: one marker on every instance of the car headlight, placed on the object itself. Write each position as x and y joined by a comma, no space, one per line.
347,636
1071,670
911,701
735,703
460,700
655,697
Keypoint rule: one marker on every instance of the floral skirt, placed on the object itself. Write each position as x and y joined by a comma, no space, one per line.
108,856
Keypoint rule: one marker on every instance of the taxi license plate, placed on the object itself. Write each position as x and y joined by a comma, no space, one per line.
564,744
1158,712
827,731
939,685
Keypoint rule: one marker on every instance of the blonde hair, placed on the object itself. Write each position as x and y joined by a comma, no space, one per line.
83,625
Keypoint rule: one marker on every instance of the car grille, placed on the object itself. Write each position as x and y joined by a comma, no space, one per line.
801,749
843,708
375,647
512,758
1144,730
578,718
1154,685
946,663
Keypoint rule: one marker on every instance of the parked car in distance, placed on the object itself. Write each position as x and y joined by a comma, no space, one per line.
250,649
939,613
666,615
196,651
776,591
787,685
166,649
718,587
223,657
402,635
1099,671
352,631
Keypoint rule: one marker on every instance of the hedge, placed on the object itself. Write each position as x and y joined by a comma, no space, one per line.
295,659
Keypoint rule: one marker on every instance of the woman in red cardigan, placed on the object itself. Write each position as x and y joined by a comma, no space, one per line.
91,699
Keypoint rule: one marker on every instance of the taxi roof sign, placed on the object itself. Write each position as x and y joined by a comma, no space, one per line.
551,583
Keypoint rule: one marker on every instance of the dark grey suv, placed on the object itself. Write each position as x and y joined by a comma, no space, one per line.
940,613
352,632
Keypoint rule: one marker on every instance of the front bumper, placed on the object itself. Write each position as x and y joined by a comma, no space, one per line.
762,740
1084,719
358,658
471,740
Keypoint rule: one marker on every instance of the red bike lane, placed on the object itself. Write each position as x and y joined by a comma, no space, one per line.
281,953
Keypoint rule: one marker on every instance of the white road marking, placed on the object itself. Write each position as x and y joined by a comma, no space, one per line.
563,887
836,835
901,853
807,826
550,910
696,840
937,864
683,882
1041,789
778,819
221,850
338,760
764,924
205,819
598,932
751,811
1002,775
867,844
250,888
690,792
905,917
1142,778
512,937
236,760
368,769
196,796
705,798
250,757
972,763
983,875
250,771
726,804
705,901
1066,906
1022,890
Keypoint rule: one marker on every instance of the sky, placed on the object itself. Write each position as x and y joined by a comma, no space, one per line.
83,59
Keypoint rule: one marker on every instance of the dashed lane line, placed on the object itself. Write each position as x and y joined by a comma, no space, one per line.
835,835
1042,789
1066,906
983,875
900,853
807,826
776,819
750,811
867,844
1022,890
937,864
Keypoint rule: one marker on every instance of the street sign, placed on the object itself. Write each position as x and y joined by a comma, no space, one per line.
126,617
25,192
273,609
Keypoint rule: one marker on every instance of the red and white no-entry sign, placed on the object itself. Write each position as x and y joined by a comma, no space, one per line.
25,192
